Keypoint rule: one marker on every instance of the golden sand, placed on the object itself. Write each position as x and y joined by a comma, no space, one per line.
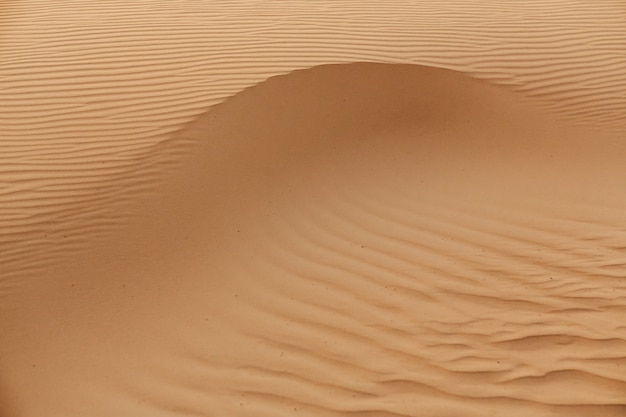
240,208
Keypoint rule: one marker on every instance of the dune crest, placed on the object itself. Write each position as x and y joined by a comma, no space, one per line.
366,239
88,88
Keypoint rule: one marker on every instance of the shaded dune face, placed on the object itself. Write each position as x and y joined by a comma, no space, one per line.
364,239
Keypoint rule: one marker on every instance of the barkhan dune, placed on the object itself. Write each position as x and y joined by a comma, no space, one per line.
279,208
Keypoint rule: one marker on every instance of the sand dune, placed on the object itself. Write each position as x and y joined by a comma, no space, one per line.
367,239
88,88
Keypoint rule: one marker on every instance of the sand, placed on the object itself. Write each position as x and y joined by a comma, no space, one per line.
276,208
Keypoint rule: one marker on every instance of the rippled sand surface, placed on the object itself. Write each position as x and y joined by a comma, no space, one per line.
244,208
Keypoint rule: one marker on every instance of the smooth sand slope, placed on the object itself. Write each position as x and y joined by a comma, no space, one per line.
357,239
89,87
360,239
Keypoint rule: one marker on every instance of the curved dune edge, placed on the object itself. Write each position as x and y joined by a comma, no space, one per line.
358,239
90,87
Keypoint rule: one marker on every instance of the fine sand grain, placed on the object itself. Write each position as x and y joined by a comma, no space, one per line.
370,239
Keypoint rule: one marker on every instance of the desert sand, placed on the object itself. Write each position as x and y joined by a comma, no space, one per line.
279,208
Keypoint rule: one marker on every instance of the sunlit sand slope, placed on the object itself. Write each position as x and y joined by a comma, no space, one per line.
89,87
366,239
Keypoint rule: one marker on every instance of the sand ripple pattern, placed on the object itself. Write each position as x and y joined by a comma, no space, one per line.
375,240
87,88
424,315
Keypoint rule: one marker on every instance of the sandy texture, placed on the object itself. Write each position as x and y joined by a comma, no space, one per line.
366,239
